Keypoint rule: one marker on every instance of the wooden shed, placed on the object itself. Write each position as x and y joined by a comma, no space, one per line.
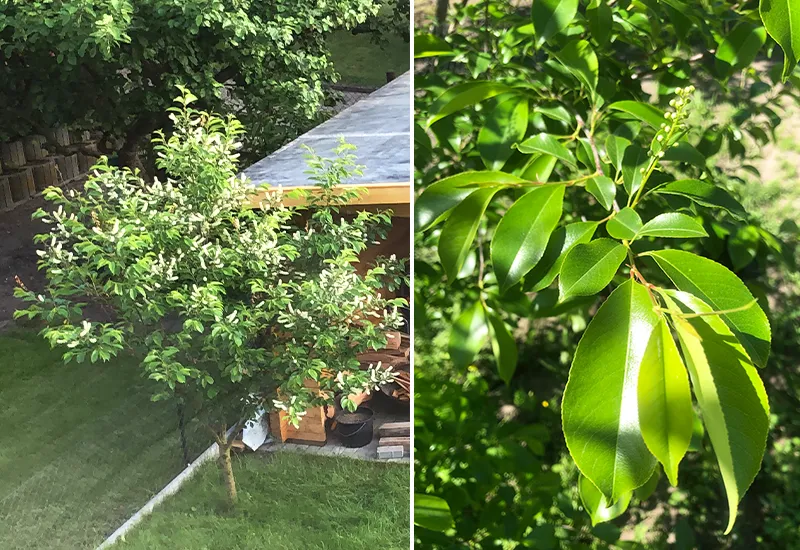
380,128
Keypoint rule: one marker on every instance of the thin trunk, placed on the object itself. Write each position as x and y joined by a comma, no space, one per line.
226,469
442,6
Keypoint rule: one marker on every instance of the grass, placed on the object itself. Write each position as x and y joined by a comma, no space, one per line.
361,62
82,446
287,501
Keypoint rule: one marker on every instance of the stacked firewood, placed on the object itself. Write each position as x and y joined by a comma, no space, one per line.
395,355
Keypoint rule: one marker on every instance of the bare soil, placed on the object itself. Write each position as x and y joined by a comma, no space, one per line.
18,255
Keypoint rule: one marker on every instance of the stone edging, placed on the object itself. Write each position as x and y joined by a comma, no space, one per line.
170,489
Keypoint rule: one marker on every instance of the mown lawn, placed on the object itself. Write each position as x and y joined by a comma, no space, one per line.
287,501
82,447
361,62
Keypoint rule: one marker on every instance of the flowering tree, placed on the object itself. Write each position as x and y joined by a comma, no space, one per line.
228,306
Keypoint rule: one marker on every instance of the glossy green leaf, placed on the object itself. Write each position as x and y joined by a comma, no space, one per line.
432,512
464,95
522,234
600,404
468,335
730,394
561,242
683,151
599,20
643,111
717,286
548,145
704,194
782,20
739,48
460,229
588,268
504,347
743,246
540,168
580,60
672,224
665,401
615,148
596,505
429,45
698,434
624,225
634,162
646,491
505,125
444,195
603,189
550,17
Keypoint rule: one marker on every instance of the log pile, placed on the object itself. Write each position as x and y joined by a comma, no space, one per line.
395,355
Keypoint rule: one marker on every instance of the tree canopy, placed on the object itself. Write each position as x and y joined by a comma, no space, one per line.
112,65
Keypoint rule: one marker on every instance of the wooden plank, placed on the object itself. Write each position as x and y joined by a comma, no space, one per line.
374,194
45,174
393,339
395,429
12,154
404,442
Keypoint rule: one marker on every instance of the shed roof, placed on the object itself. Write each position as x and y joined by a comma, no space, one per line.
379,126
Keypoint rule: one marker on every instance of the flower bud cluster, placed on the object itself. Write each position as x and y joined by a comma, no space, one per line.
668,134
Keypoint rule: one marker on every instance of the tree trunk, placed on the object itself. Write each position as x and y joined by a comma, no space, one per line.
226,469
442,6
129,158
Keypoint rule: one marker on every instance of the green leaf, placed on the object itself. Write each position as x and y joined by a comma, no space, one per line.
603,189
665,401
730,394
782,20
615,148
460,228
740,48
588,268
540,168
743,246
432,513
580,60
505,126
550,17
547,144
468,335
600,405
561,242
521,236
625,224
462,96
634,162
683,151
596,505
599,20
429,45
645,491
722,290
704,194
643,111
504,347
447,193
672,224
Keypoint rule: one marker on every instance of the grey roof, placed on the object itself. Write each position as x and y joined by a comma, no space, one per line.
379,126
